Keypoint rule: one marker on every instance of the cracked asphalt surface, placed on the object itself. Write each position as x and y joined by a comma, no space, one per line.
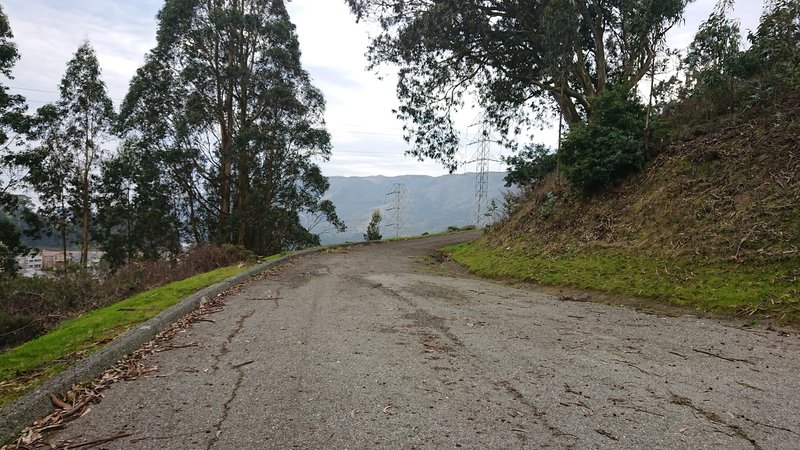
379,346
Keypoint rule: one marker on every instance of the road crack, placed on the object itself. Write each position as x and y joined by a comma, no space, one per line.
715,418
541,415
239,377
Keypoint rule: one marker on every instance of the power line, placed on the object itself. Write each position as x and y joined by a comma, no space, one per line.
33,90
19,88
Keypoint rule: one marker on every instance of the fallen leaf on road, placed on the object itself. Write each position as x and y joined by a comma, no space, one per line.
58,403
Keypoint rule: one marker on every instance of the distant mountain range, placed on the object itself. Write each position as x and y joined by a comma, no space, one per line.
431,205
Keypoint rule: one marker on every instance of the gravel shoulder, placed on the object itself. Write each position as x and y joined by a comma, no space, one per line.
379,346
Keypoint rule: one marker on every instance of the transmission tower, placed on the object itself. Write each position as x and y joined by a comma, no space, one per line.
481,158
399,207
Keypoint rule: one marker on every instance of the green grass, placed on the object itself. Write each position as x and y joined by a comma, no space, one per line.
34,361
722,287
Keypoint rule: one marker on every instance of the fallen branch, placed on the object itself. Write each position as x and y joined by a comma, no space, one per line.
636,367
755,422
236,366
721,357
606,434
173,347
58,403
99,441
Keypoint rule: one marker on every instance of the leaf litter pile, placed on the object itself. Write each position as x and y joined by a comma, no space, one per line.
77,401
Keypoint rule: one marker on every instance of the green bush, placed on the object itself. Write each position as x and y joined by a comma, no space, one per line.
530,166
547,205
373,229
604,151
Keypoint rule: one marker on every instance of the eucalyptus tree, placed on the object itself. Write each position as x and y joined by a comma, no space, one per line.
87,115
712,56
153,120
52,173
522,60
137,215
71,138
774,55
13,124
225,101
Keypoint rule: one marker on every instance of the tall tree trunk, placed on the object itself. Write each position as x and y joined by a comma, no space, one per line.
649,110
64,234
558,149
85,221
227,158
243,187
568,109
193,219
225,187
128,239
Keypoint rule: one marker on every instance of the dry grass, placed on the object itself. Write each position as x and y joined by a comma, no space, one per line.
724,190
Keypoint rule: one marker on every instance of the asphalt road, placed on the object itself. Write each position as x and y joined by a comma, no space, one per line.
379,346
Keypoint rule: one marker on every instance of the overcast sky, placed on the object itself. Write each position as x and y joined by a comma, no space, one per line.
367,139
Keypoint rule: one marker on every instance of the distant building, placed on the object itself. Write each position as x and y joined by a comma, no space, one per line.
30,265
36,263
94,257
52,259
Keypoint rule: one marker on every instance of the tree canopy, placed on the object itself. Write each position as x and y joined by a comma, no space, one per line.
520,59
12,124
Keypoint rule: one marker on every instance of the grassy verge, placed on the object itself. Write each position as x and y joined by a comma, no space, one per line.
765,290
27,365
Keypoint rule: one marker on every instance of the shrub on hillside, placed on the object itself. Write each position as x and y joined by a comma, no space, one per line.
530,166
373,229
31,306
610,147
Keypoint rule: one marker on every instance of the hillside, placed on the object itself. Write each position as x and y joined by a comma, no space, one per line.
434,203
724,190
713,221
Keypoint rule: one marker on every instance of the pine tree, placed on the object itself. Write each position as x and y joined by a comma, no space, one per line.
373,229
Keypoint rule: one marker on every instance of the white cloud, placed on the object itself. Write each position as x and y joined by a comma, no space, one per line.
49,33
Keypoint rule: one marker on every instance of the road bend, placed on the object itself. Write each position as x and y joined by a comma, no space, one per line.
385,346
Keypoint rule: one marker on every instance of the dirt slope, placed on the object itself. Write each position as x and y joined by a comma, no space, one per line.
726,189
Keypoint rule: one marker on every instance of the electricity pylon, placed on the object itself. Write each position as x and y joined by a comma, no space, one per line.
400,202
481,158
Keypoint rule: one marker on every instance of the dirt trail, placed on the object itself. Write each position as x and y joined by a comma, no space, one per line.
377,346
